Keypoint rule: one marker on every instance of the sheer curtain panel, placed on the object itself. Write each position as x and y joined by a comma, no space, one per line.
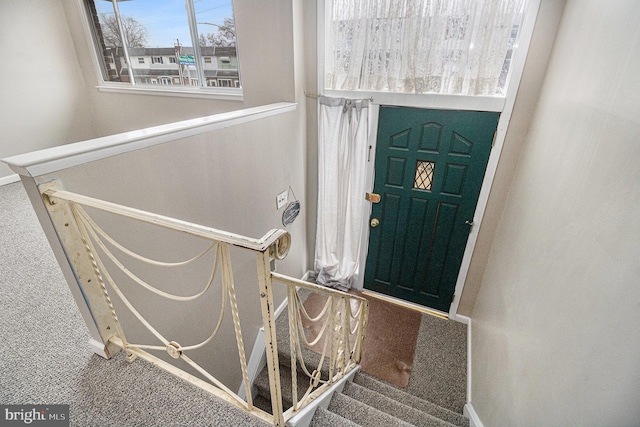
460,47
342,156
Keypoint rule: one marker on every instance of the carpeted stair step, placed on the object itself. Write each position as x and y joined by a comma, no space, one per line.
407,399
262,402
326,418
393,407
262,384
362,414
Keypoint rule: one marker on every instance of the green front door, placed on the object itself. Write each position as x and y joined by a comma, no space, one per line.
429,168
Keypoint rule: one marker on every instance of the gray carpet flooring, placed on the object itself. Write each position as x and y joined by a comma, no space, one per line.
439,372
45,358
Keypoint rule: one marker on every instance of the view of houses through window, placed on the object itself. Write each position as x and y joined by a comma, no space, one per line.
152,42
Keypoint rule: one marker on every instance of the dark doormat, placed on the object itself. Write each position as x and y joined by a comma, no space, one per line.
390,339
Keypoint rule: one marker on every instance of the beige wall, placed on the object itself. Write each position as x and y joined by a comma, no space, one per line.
49,78
533,75
43,102
265,49
556,325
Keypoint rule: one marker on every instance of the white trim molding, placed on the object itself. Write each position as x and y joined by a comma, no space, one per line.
98,348
230,94
467,321
9,179
57,158
304,416
469,412
468,409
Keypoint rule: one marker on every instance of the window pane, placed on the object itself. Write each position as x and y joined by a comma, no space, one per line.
108,40
217,40
159,30
424,175
157,36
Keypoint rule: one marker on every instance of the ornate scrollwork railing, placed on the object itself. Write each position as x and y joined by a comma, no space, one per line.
337,337
343,316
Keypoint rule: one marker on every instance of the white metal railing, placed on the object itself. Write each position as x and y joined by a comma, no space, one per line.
342,322
343,317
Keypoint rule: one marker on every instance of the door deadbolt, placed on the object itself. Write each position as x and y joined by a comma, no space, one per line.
372,197
374,222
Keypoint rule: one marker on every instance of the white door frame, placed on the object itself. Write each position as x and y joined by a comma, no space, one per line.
503,104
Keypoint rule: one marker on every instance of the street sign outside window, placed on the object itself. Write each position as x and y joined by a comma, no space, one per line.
187,60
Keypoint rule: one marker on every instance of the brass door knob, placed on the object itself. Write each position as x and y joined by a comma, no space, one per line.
374,222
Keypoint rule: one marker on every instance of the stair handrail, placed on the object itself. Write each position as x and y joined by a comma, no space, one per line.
79,236
210,233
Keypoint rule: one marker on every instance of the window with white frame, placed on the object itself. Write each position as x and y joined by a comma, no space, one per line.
165,33
460,47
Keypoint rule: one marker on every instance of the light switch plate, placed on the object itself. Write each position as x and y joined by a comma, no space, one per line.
281,199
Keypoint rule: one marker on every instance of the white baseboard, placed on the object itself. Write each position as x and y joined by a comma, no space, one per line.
474,419
308,274
9,179
281,308
257,362
462,319
304,416
98,348
467,321
258,359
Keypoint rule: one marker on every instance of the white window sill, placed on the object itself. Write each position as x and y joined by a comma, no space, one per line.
231,94
427,100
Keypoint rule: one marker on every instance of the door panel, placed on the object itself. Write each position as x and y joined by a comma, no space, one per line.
429,170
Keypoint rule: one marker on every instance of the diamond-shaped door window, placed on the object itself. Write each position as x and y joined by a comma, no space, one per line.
424,175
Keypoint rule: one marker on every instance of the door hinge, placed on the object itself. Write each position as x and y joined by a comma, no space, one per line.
470,224
493,141
453,296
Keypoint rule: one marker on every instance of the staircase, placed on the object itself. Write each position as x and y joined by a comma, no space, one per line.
369,402
365,401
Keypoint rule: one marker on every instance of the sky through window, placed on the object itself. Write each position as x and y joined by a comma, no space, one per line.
165,20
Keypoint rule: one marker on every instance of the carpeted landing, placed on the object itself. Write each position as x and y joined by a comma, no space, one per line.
390,341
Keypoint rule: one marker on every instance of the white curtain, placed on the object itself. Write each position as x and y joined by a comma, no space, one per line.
342,158
421,46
